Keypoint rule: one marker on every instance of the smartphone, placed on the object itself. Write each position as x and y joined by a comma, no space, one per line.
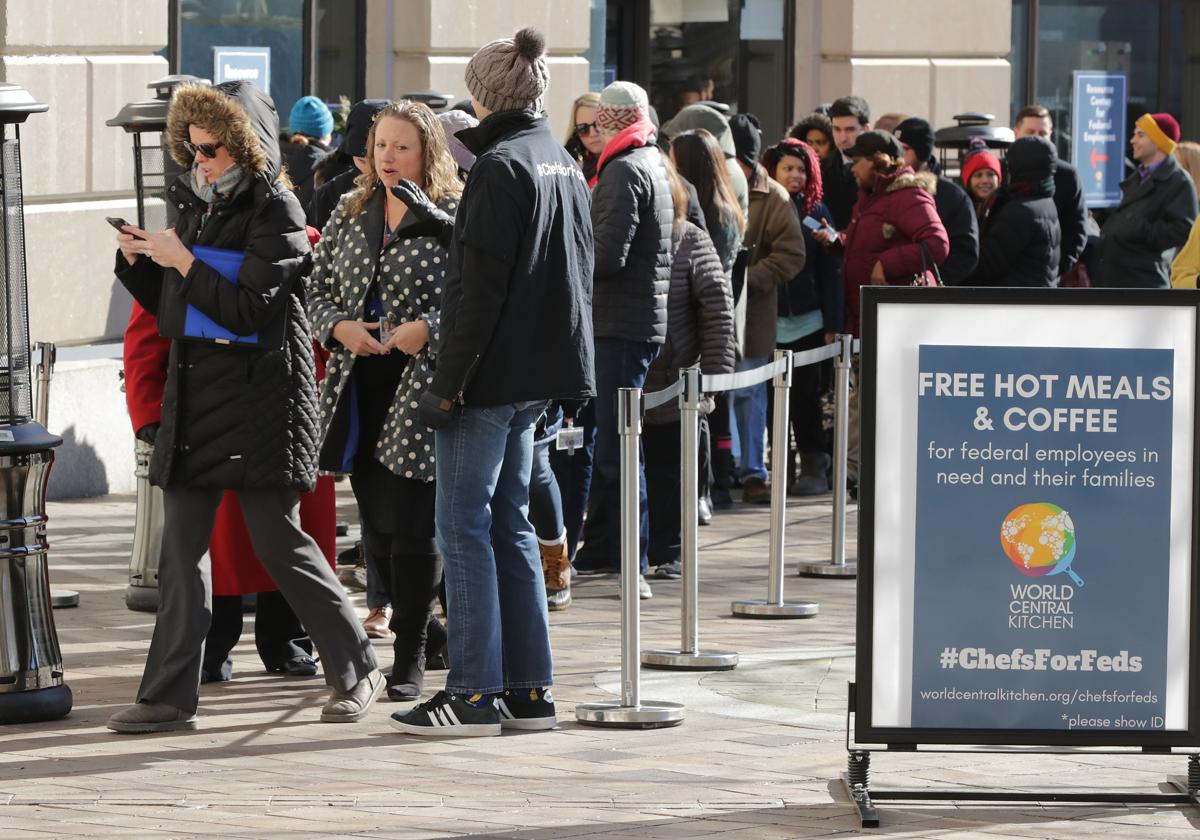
811,223
119,223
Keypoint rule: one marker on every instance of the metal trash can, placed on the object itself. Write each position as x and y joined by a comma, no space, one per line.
31,672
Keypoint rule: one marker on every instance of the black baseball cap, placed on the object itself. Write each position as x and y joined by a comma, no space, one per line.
873,142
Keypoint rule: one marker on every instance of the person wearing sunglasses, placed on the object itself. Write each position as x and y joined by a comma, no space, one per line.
237,416
584,140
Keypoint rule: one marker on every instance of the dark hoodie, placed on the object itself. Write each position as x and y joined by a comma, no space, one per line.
1021,237
242,416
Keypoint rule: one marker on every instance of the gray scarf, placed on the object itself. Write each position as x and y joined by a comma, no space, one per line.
232,182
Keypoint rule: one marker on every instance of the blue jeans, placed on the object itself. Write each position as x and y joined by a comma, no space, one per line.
496,598
750,412
619,364
545,498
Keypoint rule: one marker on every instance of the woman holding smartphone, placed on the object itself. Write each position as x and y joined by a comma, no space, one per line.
239,417
373,297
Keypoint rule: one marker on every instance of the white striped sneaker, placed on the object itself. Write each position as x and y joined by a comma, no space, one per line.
448,716
523,709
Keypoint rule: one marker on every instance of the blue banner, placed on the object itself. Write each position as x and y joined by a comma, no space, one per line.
1042,538
251,64
1098,135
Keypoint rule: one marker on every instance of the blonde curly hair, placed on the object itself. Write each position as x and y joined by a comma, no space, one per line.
441,172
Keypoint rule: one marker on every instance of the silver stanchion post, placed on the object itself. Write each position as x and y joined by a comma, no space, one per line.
774,606
46,354
631,711
837,565
689,657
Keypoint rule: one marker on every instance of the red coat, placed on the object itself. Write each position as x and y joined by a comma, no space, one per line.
887,224
235,568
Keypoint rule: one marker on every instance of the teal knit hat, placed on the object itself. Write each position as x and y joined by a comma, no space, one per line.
310,117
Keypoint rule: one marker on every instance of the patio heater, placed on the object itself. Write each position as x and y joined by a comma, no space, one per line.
31,672
952,142
153,170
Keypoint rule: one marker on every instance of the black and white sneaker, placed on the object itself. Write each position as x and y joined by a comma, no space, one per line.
527,708
448,716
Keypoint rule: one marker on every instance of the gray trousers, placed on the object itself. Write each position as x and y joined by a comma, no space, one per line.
291,557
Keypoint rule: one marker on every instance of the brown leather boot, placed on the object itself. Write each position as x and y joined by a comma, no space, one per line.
556,567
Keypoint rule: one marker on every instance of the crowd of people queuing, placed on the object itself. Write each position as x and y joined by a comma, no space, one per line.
443,308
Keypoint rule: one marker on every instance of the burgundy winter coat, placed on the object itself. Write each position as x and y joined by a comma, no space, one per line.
887,225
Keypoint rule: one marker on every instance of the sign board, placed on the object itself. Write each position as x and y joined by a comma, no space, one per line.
250,64
1098,135
1027,522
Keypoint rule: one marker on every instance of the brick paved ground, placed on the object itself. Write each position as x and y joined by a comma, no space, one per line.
757,756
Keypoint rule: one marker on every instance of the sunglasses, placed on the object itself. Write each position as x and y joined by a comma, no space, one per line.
585,128
209,150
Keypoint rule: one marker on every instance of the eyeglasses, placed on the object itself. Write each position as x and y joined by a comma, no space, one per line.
585,128
209,150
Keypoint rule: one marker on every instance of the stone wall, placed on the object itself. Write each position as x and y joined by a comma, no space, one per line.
932,59
86,60
423,44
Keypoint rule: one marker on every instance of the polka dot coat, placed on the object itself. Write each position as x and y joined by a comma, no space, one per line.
410,272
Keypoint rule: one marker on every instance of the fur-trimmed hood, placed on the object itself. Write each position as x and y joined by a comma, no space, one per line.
906,178
239,114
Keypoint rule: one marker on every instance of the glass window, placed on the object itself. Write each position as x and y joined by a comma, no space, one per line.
1181,88
732,51
1019,57
338,50
278,24
1111,35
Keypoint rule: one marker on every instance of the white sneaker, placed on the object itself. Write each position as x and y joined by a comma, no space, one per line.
644,590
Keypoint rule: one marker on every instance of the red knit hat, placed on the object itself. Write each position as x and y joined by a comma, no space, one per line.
979,158
1162,129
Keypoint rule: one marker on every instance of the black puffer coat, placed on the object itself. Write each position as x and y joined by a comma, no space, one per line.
234,417
1020,243
699,319
632,217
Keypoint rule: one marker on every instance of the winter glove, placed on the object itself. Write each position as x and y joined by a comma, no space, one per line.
434,411
148,433
440,223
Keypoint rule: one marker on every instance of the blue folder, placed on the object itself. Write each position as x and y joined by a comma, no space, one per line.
196,324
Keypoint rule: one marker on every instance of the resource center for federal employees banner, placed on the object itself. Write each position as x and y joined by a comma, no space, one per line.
1031,484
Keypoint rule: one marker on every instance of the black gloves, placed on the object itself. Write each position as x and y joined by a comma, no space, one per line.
147,433
434,411
440,223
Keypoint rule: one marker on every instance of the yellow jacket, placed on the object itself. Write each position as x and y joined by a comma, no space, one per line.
1186,266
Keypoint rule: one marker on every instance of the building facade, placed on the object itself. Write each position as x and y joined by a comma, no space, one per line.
774,58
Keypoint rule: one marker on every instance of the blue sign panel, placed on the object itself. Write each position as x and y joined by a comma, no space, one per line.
250,64
1043,512
1098,135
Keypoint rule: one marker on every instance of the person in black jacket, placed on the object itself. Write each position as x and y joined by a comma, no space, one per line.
632,219
954,207
325,198
811,314
1021,235
1157,210
850,117
307,144
516,333
240,418
1034,121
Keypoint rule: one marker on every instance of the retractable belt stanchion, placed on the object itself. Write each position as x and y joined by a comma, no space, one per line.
631,711
689,657
774,606
837,565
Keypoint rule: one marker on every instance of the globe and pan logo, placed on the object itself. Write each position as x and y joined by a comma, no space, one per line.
1039,539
